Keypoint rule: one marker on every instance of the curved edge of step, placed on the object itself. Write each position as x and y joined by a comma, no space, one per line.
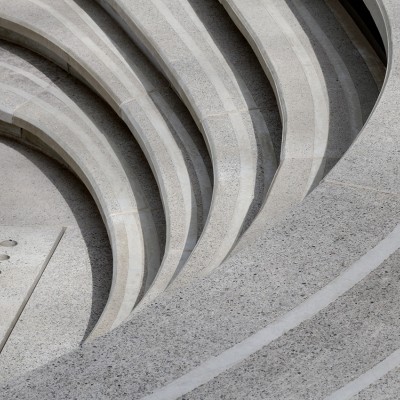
310,145
300,93
123,208
221,114
135,107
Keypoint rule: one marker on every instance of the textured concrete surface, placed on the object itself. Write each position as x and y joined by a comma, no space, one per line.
47,329
187,328
308,309
255,87
385,388
331,344
20,273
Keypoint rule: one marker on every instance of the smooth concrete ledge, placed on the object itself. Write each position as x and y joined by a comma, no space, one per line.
196,158
226,44
27,139
40,107
66,30
179,44
313,138
301,93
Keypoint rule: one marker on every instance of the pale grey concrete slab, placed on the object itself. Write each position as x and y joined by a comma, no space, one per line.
311,245
364,46
73,290
177,117
324,236
65,304
254,85
352,56
113,129
373,160
240,57
323,354
386,388
18,160
280,199
192,146
320,99
228,210
23,269
104,176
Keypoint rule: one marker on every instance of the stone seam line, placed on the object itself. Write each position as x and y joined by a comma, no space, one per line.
215,366
32,288
368,378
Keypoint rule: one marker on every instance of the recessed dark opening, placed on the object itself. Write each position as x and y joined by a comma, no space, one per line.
363,18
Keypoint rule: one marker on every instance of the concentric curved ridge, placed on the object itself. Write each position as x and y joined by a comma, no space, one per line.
255,241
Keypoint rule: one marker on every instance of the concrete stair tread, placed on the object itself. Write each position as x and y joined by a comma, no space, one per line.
319,101
103,67
56,119
306,308
176,40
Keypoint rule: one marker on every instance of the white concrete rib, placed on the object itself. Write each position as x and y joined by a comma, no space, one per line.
63,32
301,93
350,92
40,107
160,95
310,138
176,40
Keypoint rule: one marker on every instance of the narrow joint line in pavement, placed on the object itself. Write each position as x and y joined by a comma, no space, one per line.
32,288
231,357
355,186
368,378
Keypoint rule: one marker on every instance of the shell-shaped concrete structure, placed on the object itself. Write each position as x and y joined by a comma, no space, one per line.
199,199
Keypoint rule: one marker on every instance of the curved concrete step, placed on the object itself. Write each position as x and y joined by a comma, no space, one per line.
324,90
65,33
88,142
288,317
176,40
183,129
228,42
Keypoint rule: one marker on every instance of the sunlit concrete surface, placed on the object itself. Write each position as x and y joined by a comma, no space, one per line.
268,136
